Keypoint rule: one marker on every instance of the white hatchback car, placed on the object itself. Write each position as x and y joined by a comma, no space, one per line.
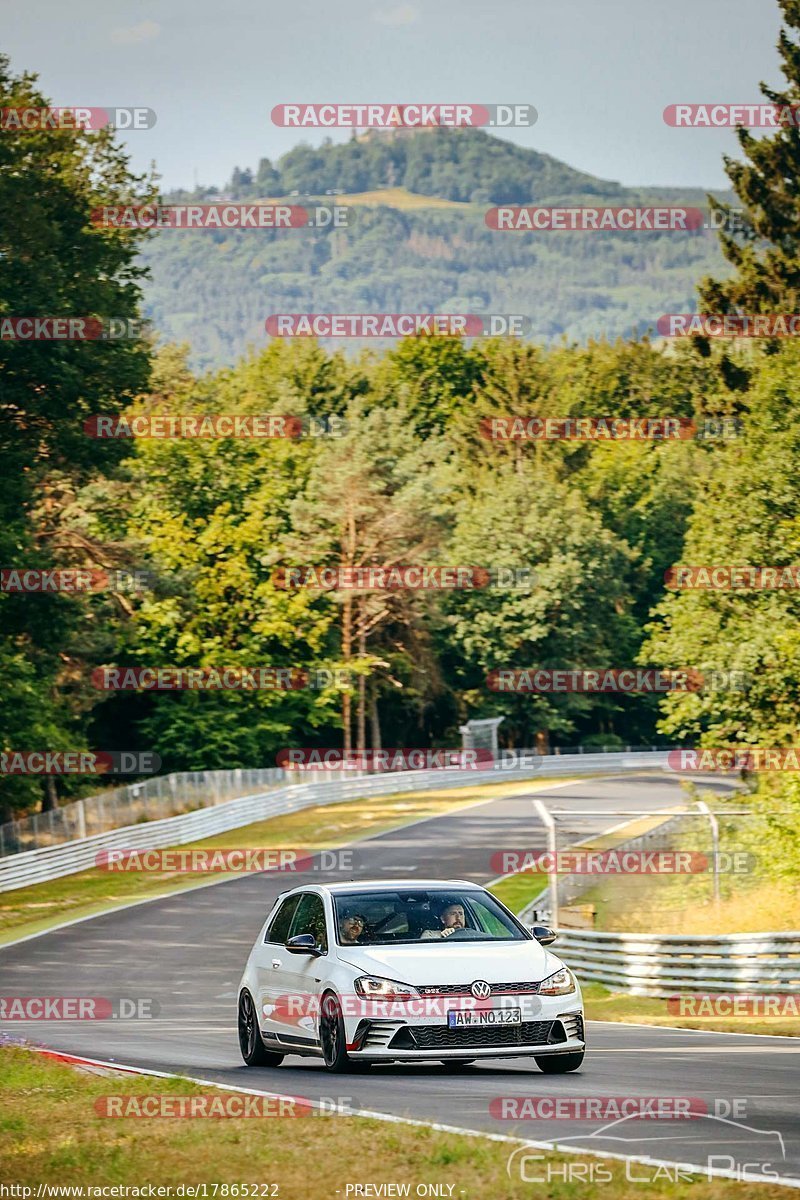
406,971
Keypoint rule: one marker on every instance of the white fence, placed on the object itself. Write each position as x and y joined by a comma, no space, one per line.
665,964
51,862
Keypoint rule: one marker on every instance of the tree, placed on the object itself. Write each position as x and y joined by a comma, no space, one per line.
56,263
365,504
268,181
746,512
574,612
765,257
213,519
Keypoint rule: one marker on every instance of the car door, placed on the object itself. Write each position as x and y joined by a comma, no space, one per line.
270,960
305,973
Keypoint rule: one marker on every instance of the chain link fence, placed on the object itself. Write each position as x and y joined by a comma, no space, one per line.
136,803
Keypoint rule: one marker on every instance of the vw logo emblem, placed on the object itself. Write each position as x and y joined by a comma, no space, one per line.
481,989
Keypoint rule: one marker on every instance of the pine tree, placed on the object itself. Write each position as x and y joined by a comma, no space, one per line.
767,277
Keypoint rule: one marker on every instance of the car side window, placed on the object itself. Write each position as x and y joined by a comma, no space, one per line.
310,918
487,922
278,930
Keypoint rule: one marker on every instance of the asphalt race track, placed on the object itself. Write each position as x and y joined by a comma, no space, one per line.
188,951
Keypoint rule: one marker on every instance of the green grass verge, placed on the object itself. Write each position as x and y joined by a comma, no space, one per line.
519,889
51,1133
603,1004
672,904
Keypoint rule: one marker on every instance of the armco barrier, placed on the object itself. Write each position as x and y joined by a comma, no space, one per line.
37,866
147,800
665,964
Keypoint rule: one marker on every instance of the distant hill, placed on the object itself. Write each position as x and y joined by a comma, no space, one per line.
417,242
469,165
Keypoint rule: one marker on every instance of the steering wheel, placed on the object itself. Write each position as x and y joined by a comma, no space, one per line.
465,932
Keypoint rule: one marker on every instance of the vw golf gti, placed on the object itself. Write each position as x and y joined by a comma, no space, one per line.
406,971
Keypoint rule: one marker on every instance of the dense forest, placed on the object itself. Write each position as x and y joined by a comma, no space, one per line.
390,466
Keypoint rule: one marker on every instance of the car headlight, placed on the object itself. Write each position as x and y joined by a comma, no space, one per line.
375,988
559,984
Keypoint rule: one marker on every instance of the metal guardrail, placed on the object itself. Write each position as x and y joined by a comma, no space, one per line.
155,798
52,862
664,964
148,800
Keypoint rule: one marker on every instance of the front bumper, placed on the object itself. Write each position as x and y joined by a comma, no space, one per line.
398,1040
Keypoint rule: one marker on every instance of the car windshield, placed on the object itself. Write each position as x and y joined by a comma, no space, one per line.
403,917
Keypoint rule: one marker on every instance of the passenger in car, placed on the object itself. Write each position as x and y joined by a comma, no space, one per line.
351,929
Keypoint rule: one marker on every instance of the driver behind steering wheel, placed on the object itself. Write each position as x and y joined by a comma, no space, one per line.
450,918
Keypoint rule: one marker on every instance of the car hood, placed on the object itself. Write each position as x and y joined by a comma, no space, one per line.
434,962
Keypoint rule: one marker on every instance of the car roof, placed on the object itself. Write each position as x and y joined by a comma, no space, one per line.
383,885
390,885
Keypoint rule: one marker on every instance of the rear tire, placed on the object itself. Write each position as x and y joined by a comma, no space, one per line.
254,1052
559,1064
332,1036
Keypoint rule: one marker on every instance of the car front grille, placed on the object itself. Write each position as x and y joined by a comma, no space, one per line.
441,1037
526,988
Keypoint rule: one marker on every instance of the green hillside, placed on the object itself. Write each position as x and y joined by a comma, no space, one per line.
400,254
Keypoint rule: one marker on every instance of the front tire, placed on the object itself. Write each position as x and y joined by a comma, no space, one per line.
254,1052
332,1036
559,1064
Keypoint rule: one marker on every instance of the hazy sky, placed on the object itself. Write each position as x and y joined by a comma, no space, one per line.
600,72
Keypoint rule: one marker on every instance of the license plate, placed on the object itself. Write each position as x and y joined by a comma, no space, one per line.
458,1019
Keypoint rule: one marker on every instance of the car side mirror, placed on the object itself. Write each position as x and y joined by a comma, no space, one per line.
304,943
543,934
